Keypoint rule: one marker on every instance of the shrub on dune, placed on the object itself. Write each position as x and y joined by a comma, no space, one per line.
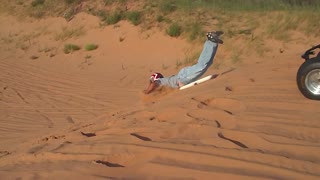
134,17
90,47
174,30
69,48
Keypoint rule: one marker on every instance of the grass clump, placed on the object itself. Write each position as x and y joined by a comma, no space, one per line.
167,6
108,2
69,48
90,47
134,17
195,30
160,18
113,18
37,9
248,5
174,30
71,1
282,26
35,3
100,13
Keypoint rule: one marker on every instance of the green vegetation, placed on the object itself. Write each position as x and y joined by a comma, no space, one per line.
160,18
174,30
134,17
108,2
167,6
69,48
35,3
113,18
90,47
68,2
248,5
111,2
195,30
253,22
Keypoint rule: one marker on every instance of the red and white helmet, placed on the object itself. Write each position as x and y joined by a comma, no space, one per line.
155,76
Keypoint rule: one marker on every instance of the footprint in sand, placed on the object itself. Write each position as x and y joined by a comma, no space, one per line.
88,134
228,105
70,120
233,141
213,117
52,137
108,164
143,138
4,153
36,149
64,144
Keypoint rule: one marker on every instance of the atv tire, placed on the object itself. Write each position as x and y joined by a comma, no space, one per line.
308,78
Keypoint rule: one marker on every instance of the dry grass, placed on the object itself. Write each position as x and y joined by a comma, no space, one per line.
70,48
252,21
189,59
67,33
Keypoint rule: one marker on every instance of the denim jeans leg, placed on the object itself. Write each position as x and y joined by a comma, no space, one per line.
192,73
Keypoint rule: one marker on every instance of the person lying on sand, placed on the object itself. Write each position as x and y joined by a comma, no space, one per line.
190,73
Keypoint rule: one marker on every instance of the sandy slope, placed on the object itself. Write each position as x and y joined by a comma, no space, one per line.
250,123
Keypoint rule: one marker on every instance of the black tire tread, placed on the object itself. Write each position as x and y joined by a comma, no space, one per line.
306,67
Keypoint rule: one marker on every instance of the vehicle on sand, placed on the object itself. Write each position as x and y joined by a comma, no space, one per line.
308,75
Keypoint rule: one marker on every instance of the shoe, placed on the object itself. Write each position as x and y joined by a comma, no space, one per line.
218,33
214,37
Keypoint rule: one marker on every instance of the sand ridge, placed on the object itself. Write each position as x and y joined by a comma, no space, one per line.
65,116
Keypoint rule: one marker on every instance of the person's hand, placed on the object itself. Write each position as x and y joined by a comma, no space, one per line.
152,86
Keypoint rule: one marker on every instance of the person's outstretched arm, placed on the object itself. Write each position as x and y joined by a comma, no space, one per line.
152,86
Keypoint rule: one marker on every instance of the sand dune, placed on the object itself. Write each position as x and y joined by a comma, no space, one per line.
71,117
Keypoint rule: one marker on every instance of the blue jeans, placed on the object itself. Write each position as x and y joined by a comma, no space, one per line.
191,73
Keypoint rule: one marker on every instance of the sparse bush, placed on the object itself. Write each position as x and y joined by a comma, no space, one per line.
196,30
134,17
101,14
35,3
69,14
160,18
108,2
90,47
38,14
70,1
174,30
113,18
69,48
123,1
20,2
167,6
